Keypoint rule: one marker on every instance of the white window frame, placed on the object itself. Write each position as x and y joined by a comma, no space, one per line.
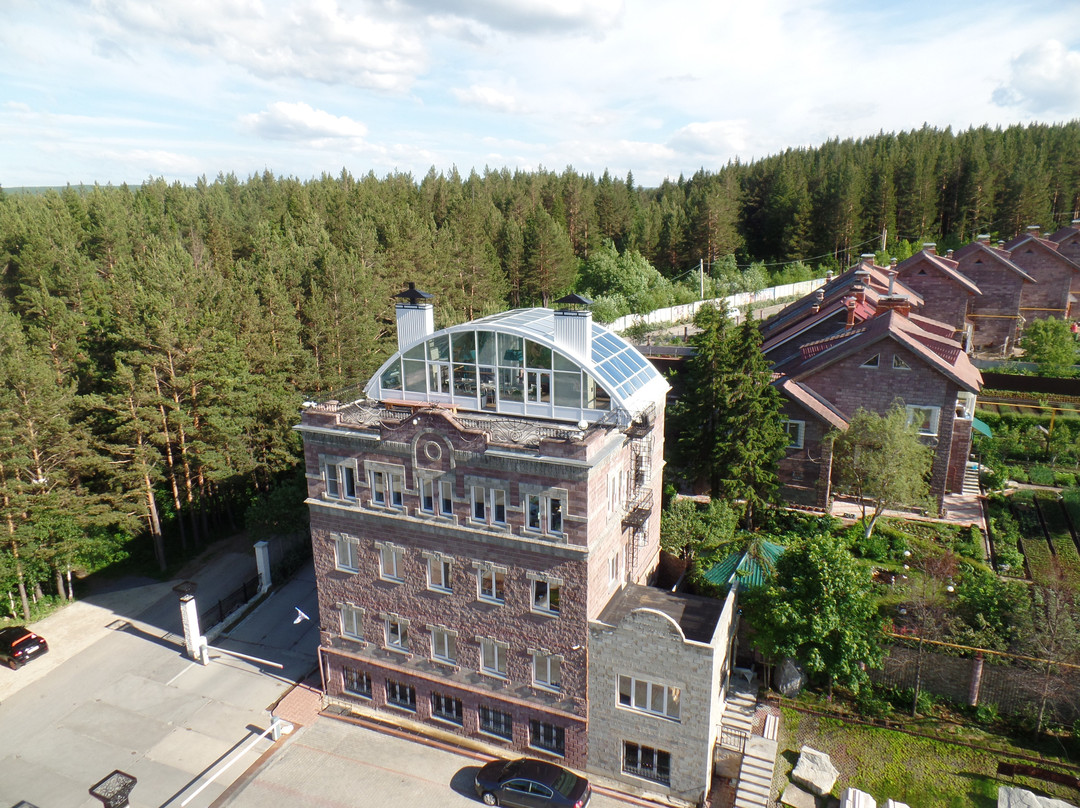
346,553
391,561
935,418
487,584
446,496
440,570
444,645
497,652
351,621
796,442
615,573
965,405
654,698
541,595
478,504
497,503
386,489
396,633
339,477
547,517
427,496
547,671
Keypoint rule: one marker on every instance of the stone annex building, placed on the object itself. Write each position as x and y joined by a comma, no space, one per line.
485,523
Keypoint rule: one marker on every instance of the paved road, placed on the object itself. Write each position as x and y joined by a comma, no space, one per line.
117,692
332,764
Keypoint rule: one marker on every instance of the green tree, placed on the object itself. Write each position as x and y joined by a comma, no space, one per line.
687,530
822,611
880,460
1051,344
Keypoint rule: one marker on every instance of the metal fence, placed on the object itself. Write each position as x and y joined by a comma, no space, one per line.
217,613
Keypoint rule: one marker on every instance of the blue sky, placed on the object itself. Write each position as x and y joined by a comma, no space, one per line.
122,90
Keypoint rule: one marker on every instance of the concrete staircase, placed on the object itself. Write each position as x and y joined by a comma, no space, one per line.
754,786
971,480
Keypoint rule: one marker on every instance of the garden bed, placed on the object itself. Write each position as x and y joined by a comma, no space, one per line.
1061,537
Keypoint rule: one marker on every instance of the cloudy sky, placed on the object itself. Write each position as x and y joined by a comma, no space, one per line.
122,90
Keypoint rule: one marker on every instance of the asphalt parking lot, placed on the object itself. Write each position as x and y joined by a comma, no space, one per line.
334,764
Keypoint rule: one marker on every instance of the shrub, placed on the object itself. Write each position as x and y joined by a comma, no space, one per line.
1064,479
1017,474
987,714
1041,475
872,704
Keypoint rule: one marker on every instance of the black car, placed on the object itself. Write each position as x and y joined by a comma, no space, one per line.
529,783
18,645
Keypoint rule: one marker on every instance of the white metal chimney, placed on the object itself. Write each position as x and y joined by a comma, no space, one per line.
573,327
415,319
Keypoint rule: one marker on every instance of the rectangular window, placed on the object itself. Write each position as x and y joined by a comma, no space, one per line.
352,621
548,737
386,489
446,498
545,597
650,697
614,570
496,722
544,513
401,695
447,708
479,512
397,633
498,506
925,419
493,657
547,670
444,645
644,761
427,496
356,682
795,432
391,561
340,481
439,569
347,554
492,584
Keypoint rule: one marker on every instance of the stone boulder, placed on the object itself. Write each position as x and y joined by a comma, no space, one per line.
795,797
1009,797
853,798
815,770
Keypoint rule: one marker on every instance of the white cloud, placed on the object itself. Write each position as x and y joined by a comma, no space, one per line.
487,98
1045,78
528,17
715,140
301,123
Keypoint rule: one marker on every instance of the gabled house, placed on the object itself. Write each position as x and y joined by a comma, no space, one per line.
947,293
1068,241
995,314
485,527
822,312
893,356
1057,275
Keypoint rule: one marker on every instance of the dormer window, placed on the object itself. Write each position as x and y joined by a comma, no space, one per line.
872,362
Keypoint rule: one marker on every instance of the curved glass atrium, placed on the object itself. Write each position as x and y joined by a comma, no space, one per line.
510,363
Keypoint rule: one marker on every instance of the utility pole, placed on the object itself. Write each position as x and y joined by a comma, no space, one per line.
884,237
701,275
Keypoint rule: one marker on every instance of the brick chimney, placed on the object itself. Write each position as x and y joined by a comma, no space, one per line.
867,260
1076,224
948,254
850,303
859,291
983,238
930,247
897,303
1033,230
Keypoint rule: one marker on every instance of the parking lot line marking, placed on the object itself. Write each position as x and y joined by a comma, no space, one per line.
185,670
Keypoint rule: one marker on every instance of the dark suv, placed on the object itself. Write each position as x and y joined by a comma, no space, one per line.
529,783
18,645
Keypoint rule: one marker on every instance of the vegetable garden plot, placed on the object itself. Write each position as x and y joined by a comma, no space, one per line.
1033,543
1061,537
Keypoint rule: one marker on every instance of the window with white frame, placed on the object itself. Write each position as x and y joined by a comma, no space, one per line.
493,657
497,511
544,514
356,682
479,504
650,697
444,645
487,505
965,405
439,572
546,594
448,708
614,569
427,495
898,363
614,486
386,489
391,561
795,431
347,553
548,737
446,498
352,621
397,633
925,419
547,670
340,480
491,583
647,762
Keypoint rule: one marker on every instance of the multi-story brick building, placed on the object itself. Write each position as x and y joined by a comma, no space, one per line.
994,315
475,514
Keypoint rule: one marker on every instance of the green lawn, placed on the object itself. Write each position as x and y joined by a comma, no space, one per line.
921,772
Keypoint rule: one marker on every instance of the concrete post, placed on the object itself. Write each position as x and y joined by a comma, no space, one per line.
194,642
976,680
279,728
262,562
